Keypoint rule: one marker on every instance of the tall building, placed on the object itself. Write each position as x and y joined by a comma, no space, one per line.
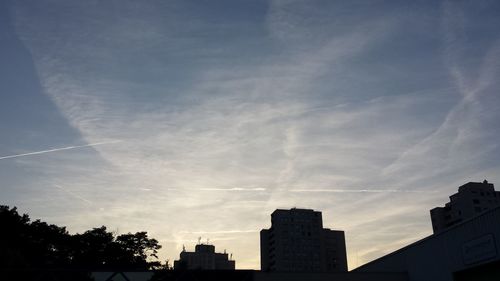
297,242
204,257
472,199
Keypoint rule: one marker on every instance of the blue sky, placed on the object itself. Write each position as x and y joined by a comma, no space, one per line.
199,118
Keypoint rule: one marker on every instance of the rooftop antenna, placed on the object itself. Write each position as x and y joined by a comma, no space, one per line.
199,240
183,248
231,257
225,251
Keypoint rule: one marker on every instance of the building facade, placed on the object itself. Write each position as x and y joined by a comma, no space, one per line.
205,258
465,251
472,199
297,242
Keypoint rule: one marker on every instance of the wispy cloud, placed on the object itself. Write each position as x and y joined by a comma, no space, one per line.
234,130
461,134
218,137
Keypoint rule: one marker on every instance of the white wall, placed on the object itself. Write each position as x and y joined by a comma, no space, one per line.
471,243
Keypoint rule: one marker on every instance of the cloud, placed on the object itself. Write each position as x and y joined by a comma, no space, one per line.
232,131
217,137
463,132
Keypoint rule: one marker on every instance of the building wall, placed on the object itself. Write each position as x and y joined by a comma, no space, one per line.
222,262
204,257
246,275
464,246
264,250
298,242
337,276
335,255
472,199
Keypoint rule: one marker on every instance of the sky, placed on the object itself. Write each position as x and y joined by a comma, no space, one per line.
192,119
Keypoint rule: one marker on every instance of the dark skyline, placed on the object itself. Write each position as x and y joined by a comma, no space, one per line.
295,247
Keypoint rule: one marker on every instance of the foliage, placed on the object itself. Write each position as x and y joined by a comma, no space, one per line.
26,245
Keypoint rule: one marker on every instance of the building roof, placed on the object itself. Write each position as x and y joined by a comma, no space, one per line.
432,236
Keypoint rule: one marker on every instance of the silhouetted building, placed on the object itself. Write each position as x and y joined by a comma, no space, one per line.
472,199
465,251
204,257
297,242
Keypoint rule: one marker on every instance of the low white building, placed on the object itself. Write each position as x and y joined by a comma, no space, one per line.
465,251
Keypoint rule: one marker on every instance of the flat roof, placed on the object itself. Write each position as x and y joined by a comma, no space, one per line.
432,236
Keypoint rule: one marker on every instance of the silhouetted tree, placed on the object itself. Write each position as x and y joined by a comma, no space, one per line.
91,248
38,245
139,248
34,250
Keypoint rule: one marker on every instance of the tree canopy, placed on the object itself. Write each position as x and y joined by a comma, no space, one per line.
26,244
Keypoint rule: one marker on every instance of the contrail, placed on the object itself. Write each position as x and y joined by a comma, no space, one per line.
231,189
57,149
73,194
219,232
359,191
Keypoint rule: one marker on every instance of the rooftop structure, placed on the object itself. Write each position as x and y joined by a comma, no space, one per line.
204,257
472,199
